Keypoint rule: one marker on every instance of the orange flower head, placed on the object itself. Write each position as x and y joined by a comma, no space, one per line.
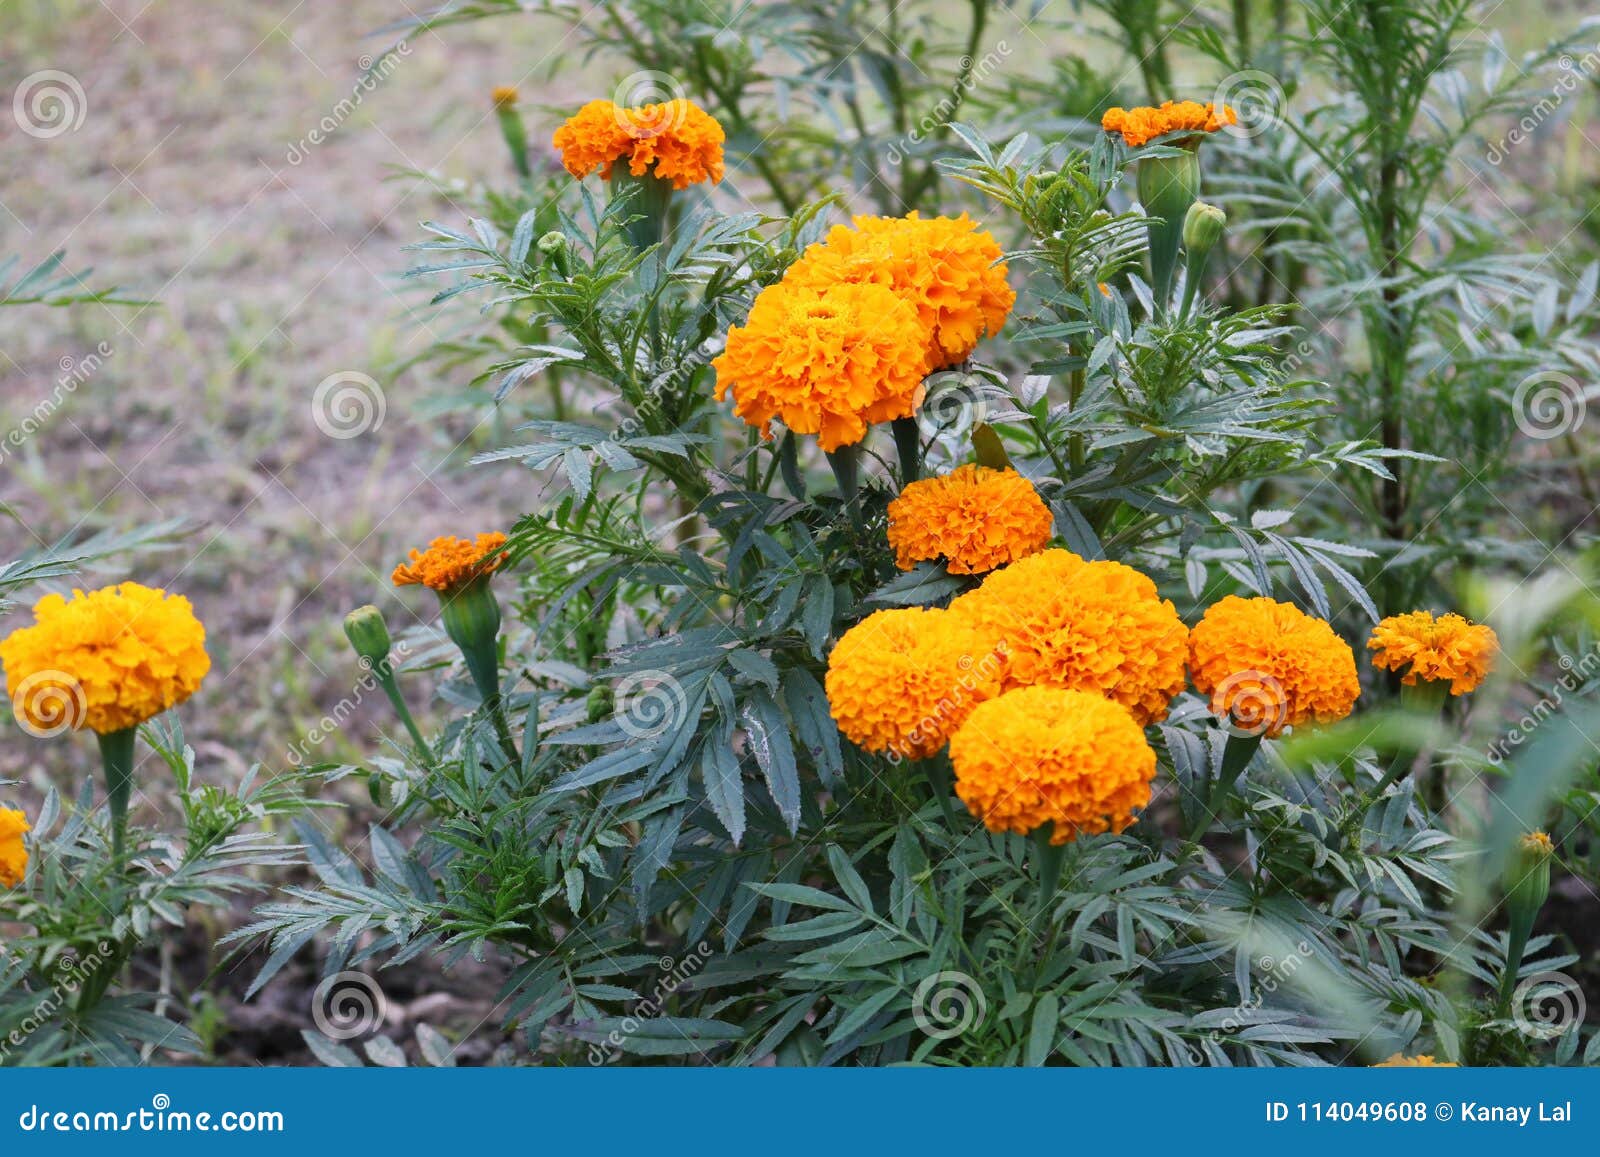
504,95
1449,647
13,852
450,562
1425,1061
828,362
902,681
1268,665
1083,626
1044,755
1140,126
107,660
975,518
676,139
945,266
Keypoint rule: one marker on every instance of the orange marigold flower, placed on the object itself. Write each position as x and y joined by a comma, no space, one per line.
945,266
13,852
974,517
680,139
1139,126
1043,755
827,362
451,562
1084,626
1425,1061
1268,665
107,660
1449,647
504,95
901,681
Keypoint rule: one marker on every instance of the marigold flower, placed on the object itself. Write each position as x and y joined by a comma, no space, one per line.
1044,755
1084,626
504,95
1449,647
945,266
680,139
826,361
1268,665
902,681
974,517
1425,1061
13,852
107,660
1139,126
451,562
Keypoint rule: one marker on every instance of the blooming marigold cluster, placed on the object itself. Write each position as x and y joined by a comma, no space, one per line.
902,681
107,660
1425,1061
827,362
451,562
1268,665
1044,755
947,267
676,139
1139,126
1083,626
974,518
1449,647
13,852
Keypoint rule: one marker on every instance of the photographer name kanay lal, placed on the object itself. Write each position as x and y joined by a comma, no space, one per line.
1467,1112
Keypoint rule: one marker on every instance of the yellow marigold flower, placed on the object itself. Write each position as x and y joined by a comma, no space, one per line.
1536,844
1425,1061
13,852
1139,126
1449,647
945,266
451,562
504,95
1041,754
1084,626
107,660
1268,665
680,139
902,681
827,362
974,517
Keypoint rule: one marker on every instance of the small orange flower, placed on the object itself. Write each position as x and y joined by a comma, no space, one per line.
1139,126
678,138
504,95
451,562
974,517
828,362
13,852
1425,1061
1449,647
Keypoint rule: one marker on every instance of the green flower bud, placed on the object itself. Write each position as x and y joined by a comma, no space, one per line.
1168,185
1528,877
552,243
1202,229
368,634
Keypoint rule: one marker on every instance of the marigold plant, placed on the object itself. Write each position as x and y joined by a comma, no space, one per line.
974,518
1447,648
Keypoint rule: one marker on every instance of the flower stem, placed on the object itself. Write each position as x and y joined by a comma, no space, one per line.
1048,858
116,759
846,464
1236,756
908,442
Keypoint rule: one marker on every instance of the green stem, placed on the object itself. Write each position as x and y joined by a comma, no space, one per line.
472,620
1048,858
1236,756
846,464
116,759
908,443
937,772
391,688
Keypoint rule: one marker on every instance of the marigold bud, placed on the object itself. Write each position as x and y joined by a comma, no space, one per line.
368,634
1528,877
1202,229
